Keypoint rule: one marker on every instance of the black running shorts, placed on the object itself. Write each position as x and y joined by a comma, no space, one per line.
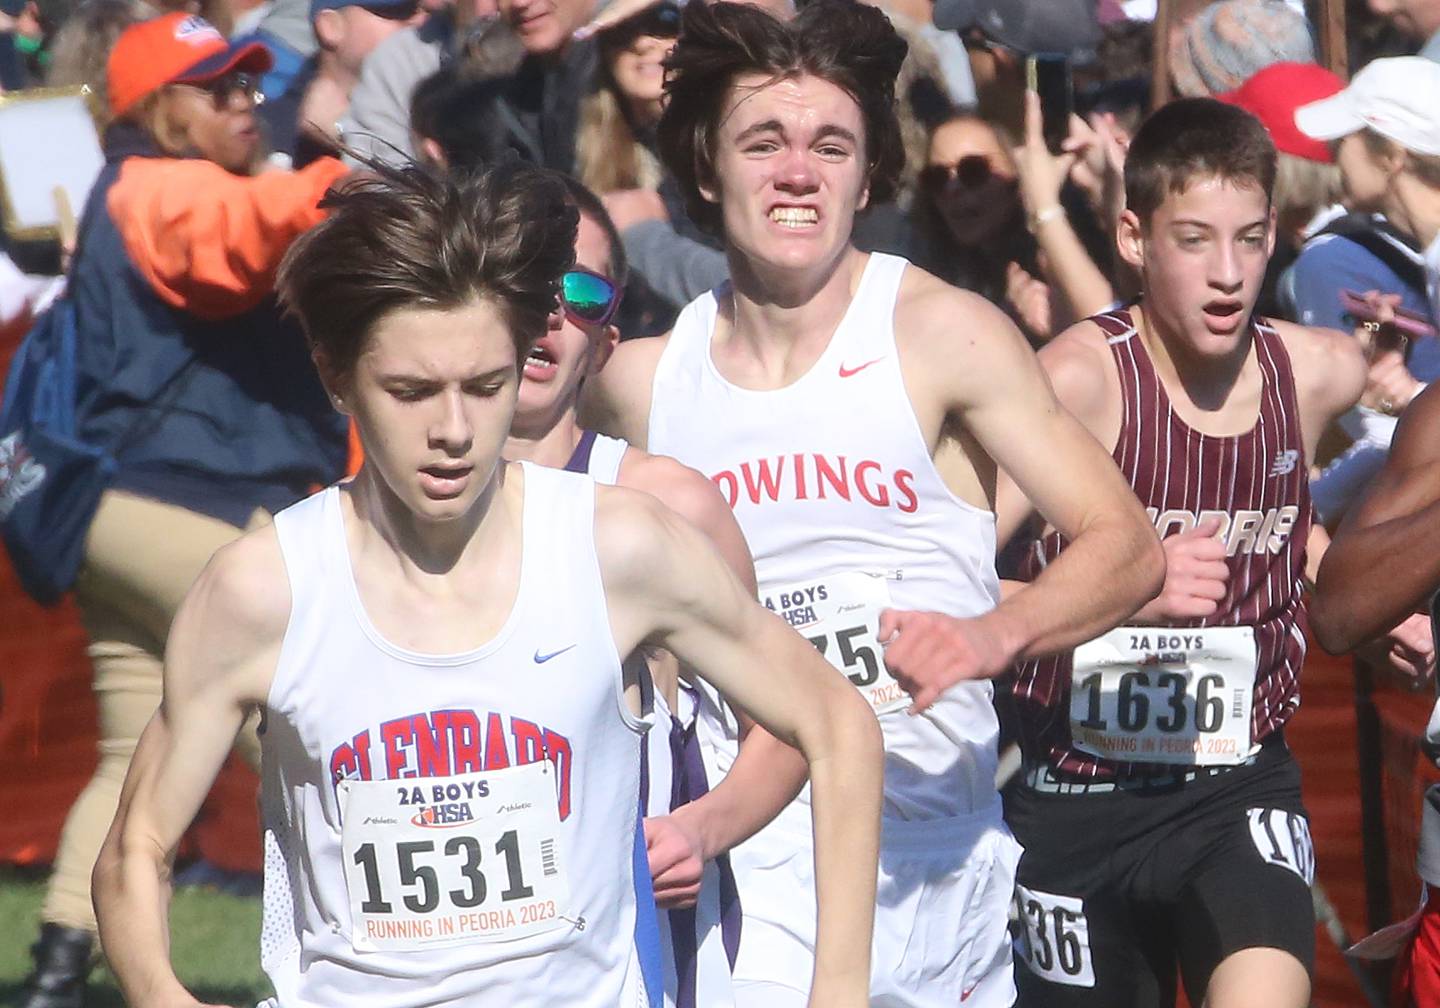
1117,890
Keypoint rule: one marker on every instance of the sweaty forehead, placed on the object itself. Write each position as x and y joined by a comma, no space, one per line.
800,103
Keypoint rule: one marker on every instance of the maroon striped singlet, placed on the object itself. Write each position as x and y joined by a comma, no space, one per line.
1256,483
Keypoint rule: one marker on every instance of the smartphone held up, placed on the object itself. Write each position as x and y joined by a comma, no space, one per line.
1048,75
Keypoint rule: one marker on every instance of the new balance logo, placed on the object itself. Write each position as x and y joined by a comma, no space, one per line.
1285,462
847,372
20,474
541,659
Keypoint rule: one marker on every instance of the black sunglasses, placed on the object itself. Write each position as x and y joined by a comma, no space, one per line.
970,171
222,89
588,298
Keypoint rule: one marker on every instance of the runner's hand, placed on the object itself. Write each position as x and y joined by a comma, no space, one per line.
1408,649
927,652
1196,576
676,862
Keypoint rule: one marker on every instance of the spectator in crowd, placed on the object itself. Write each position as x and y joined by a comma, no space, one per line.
304,122
1072,250
1117,86
178,340
539,101
19,32
1420,18
1387,135
1307,182
970,222
615,148
1227,43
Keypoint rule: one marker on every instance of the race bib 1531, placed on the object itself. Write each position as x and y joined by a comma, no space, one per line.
473,857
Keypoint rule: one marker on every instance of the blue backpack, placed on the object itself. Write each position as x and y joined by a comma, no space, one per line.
50,479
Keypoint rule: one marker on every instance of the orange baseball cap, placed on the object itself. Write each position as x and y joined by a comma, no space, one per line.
178,48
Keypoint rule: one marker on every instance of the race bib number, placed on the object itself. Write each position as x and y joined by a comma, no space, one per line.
841,617
454,860
1283,838
1054,937
1165,695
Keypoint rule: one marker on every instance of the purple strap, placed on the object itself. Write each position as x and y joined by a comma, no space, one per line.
689,783
580,458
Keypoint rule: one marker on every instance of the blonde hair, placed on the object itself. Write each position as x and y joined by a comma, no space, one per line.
608,156
1303,187
153,114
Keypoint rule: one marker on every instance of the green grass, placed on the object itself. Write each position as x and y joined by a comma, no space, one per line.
215,944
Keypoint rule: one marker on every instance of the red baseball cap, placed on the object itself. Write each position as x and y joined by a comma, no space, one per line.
1273,94
178,48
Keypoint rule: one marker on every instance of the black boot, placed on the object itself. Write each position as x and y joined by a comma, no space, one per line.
62,961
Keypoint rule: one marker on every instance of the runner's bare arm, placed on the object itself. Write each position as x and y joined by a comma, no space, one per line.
986,377
1073,482
1082,372
1384,561
617,400
1075,364
767,774
219,660
668,586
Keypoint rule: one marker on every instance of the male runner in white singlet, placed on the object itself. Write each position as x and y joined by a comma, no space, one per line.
815,392
1158,805
689,827
451,780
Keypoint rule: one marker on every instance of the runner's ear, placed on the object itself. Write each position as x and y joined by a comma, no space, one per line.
1130,239
335,384
605,345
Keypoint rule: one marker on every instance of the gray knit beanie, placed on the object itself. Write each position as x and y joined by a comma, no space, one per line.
1227,42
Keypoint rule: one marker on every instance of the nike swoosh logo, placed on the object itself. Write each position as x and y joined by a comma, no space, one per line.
847,372
541,659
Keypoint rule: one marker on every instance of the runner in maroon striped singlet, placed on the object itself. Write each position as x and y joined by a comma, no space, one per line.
1158,805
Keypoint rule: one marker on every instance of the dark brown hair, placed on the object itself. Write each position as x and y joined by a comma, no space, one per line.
415,238
1195,138
850,44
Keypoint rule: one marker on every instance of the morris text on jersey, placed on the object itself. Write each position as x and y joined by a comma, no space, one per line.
1242,532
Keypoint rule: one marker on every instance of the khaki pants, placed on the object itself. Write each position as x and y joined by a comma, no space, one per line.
141,557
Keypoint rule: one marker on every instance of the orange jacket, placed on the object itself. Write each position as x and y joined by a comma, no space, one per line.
214,257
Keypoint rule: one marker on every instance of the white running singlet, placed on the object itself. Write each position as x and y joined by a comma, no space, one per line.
832,482
605,458
451,829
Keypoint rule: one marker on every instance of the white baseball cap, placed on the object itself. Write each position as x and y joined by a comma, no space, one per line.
1398,98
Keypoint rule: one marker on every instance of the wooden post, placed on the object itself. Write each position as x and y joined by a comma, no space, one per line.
1160,63
1328,17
